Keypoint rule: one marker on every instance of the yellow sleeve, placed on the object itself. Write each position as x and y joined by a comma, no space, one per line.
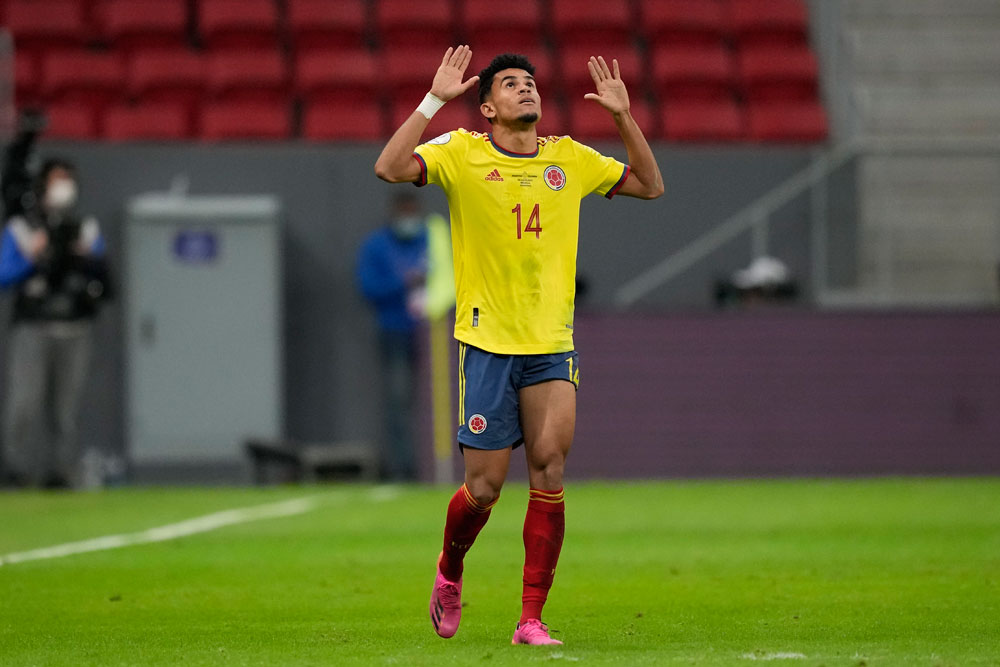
440,157
600,173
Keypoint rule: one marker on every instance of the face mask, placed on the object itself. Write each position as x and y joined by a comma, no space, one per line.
60,195
408,227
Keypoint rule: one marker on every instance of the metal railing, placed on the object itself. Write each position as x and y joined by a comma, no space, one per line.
812,181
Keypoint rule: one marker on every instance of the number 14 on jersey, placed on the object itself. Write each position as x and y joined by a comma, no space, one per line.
534,221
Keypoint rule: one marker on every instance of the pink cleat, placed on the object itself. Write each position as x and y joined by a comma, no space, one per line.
446,605
533,632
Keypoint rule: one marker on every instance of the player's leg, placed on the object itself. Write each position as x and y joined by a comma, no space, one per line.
548,419
490,427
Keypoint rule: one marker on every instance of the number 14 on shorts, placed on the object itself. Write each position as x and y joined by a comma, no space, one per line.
534,221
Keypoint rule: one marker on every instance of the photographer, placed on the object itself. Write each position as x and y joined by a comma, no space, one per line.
55,263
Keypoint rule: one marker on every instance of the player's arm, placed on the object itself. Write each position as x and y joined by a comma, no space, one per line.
644,180
396,163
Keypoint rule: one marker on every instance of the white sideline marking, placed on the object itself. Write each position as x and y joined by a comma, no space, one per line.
173,531
773,656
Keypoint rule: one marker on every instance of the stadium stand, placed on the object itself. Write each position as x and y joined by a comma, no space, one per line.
238,24
323,75
175,77
248,76
575,79
26,76
83,77
234,121
587,119
800,121
589,22
321,24
450,116
404,23
719,121
353,120
769,22
130,25
146,122
489,31
683,22
307,54
702,71
41,26
778,72
70,121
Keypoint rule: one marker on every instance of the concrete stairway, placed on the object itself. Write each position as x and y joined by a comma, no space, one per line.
928,70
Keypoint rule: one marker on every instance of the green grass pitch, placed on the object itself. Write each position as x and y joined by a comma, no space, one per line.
805,572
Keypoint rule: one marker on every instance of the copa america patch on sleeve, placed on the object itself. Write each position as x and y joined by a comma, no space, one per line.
440,140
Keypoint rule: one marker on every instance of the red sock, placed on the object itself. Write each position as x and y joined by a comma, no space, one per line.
466,517
544,527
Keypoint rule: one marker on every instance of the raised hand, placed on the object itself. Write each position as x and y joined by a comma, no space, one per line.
611,93
447,83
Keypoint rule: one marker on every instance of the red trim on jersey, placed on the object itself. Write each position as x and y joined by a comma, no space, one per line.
621,181
422,181
510,153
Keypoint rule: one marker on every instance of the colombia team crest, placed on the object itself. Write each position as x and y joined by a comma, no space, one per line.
554,177
477,424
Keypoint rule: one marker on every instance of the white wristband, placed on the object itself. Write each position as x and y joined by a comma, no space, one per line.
430,105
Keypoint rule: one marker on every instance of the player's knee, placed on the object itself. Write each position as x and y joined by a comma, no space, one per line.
484,490
548,470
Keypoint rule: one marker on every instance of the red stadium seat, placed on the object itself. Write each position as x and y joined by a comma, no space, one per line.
235,121
778,73
94,79
238,24
343,120
41,25
697,71
322,24
70,121
407,73
488,31
787,122
173,76
703,121
589,120
683,22
584,22
451,116
337,75
574,74
147,122
402,23
239,75
143,24
769,22
26,89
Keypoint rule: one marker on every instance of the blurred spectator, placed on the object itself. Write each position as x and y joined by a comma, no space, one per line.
395,274
54,260
766,280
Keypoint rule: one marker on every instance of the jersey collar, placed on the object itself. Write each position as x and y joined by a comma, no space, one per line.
511,153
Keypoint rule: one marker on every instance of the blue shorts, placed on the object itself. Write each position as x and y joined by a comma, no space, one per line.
488,385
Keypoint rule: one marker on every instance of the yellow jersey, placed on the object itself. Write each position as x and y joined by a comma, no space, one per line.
515,221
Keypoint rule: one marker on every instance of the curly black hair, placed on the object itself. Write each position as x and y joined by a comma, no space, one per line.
500,63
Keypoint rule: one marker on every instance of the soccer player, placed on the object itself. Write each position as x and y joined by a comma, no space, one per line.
514,199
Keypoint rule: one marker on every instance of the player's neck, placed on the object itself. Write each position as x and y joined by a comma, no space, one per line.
516,139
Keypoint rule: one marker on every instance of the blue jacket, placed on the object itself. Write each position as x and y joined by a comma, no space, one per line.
383,264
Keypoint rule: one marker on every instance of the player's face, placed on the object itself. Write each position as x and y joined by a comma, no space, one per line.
513,99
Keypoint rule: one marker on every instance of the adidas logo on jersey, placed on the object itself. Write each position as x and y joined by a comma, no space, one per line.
494,176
